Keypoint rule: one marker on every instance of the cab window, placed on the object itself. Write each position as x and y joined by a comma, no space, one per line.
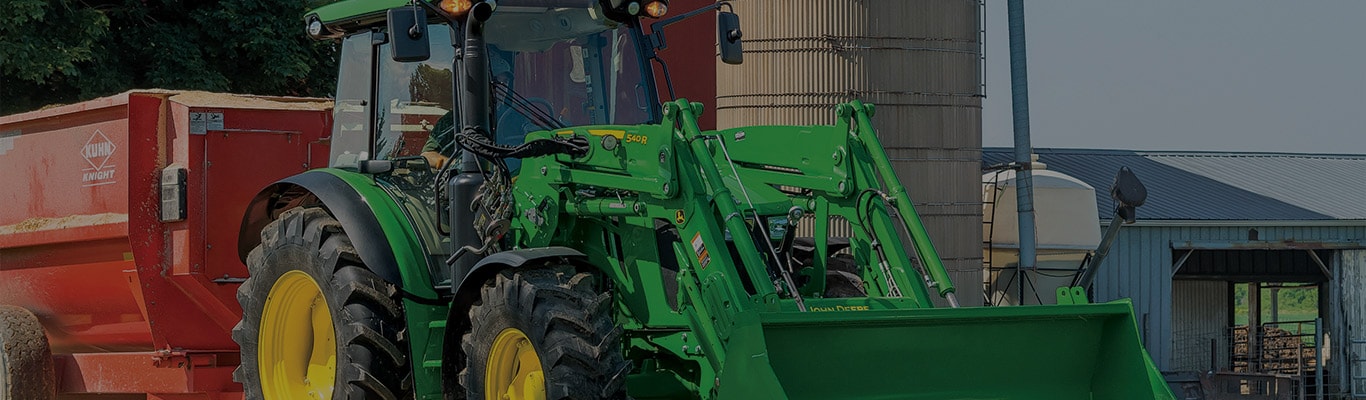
413,97
351,111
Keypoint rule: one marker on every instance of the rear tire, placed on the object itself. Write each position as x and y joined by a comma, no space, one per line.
565,319
26,371
306,261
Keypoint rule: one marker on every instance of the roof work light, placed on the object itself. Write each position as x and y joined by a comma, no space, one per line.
456,8
656,9
620,9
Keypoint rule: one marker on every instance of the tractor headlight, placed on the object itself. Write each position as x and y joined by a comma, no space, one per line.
316,30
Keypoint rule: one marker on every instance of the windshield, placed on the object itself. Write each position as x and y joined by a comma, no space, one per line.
563,67
550,68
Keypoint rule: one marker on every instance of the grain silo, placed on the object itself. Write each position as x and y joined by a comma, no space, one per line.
919,61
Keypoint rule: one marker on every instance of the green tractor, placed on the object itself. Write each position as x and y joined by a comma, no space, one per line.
511,213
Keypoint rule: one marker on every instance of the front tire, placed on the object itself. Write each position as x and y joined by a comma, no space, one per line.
543,333
316,324
26,371
842,279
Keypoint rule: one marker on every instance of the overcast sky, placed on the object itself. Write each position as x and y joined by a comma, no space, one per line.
1225,75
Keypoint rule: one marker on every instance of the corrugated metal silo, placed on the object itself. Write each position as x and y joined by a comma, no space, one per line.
919,61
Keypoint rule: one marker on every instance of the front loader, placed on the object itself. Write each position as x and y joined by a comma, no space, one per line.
512,212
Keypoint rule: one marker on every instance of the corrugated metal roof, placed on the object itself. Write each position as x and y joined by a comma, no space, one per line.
1219,186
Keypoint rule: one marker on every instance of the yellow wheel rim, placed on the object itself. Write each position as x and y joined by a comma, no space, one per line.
297,349
513,371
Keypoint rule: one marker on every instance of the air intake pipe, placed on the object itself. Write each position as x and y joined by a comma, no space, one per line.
475,108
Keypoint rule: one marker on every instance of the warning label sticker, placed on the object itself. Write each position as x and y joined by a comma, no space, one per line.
703,258
203,122
7,141
98,152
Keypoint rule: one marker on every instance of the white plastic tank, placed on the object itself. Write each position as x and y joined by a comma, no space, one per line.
1067,228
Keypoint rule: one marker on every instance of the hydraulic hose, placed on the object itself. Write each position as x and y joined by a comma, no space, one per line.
924,248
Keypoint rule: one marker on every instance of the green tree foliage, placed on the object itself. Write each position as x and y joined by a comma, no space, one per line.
62,51
1295,299
433,85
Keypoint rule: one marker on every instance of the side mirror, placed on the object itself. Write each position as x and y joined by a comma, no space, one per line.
1128,193
408,34
728,37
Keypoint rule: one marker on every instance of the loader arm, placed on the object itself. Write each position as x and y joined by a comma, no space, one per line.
737,316
712,184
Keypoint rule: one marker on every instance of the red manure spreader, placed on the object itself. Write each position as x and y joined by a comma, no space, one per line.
119,220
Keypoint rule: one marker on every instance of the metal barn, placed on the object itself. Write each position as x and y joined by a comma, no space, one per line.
1217,227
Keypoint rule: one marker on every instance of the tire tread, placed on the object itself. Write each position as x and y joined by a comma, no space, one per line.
571,327
29,370
366,313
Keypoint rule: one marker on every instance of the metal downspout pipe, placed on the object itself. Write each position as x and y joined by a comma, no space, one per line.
1024,186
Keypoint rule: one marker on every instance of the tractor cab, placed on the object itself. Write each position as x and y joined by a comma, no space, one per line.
548,64
540,65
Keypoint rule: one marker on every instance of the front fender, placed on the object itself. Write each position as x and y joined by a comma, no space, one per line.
378,228
489,266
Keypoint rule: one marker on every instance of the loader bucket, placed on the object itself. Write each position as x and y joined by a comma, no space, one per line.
1089,351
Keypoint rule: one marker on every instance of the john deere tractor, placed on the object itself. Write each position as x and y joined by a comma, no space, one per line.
513,212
